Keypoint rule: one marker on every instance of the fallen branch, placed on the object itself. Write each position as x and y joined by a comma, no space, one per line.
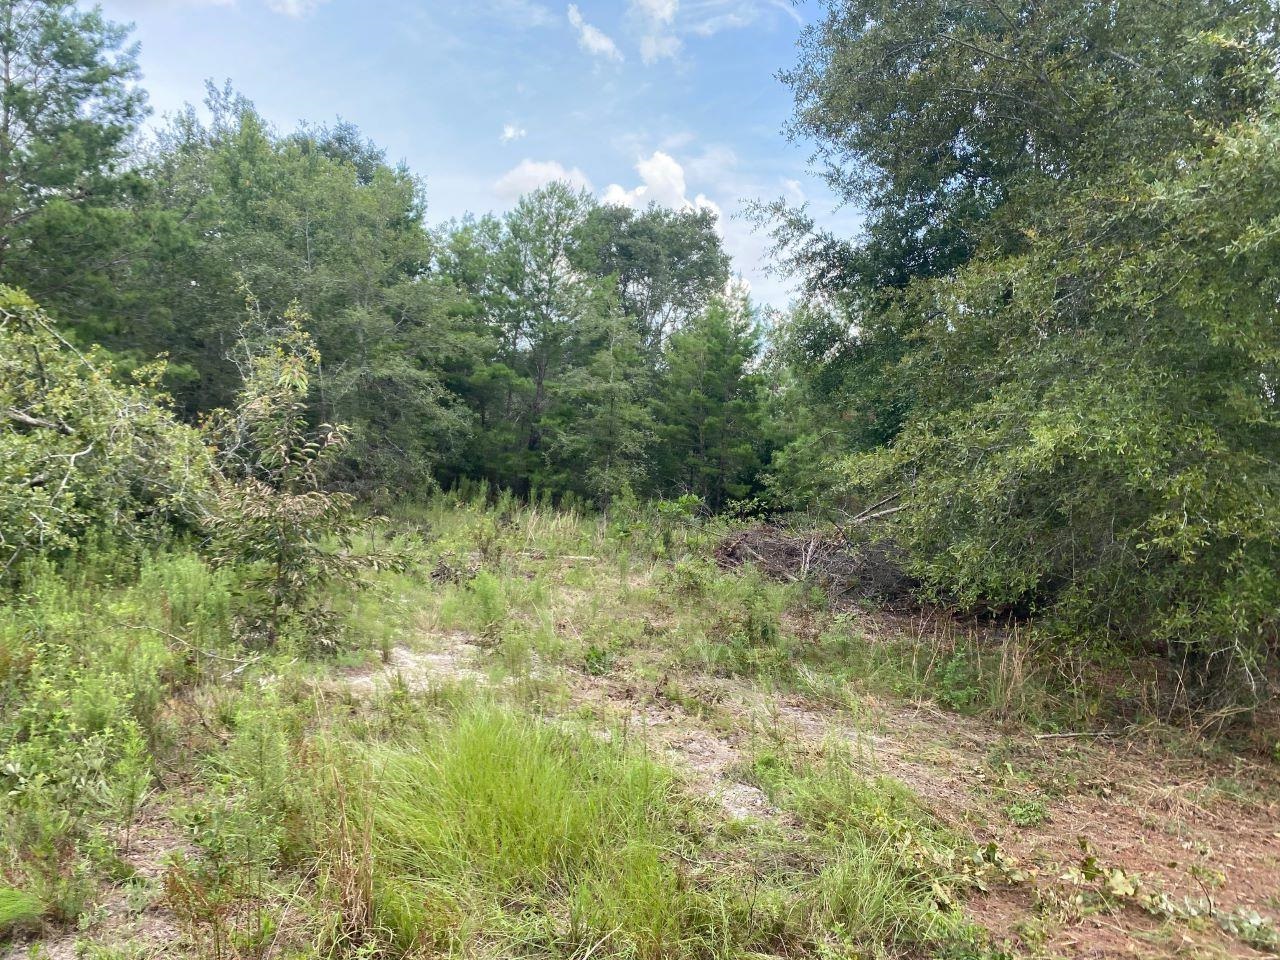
17,416
875,506
868,517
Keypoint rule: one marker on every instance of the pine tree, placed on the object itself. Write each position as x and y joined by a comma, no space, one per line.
68,106
708,406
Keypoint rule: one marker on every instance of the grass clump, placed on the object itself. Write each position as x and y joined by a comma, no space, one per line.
889,878
18,909
495,827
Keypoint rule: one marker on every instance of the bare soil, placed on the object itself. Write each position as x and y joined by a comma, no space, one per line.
1166,820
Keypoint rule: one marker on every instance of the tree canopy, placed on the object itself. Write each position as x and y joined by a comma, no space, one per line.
1063,305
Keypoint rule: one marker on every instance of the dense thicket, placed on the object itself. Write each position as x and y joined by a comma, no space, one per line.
1065,305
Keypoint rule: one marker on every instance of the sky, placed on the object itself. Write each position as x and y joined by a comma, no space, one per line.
668,101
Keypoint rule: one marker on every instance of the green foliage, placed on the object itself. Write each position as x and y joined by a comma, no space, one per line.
1112,452
668,265
893,877
80,451
600,428
85,668
1064,307
271,513
68,105
481,605
317,217
558,400
1028,812
708,407
17,909
942,119
490,810
523,351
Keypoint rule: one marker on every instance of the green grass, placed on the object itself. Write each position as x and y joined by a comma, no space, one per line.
492,819
493,829
890,874
476,829
18,909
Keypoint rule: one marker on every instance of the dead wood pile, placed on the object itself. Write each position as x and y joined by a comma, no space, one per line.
846,570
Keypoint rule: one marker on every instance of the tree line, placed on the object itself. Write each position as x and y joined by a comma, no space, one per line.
564,347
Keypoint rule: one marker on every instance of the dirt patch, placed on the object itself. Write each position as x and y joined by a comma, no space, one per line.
453,658
707,760
1115,805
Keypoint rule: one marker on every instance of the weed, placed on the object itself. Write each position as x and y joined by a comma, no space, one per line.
1028,812
597,660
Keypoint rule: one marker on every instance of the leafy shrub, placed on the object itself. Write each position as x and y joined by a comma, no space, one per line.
271,513
80,451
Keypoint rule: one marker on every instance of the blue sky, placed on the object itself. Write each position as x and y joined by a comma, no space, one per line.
673,101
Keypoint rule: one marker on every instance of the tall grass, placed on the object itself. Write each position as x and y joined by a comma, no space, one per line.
499,833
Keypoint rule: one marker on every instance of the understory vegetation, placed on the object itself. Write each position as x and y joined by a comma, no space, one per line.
516,587
471,767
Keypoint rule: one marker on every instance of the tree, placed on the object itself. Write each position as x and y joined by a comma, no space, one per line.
319,217
708,406
948,123
270,511
1068,276
68,106
601,425
667,264
82,453
939,116
545,317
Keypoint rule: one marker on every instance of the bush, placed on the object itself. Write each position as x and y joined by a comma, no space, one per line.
1097,437
85,670
81,452
271,513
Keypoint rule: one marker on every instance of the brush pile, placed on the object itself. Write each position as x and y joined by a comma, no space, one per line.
844,569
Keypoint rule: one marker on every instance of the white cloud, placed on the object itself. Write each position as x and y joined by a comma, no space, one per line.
139,6
662,182
657,46
717,15
795,192
716,163
530,174
661,11
294,8
656,16
511,131
592,39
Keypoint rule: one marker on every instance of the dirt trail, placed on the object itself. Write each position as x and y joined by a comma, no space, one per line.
1138,810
